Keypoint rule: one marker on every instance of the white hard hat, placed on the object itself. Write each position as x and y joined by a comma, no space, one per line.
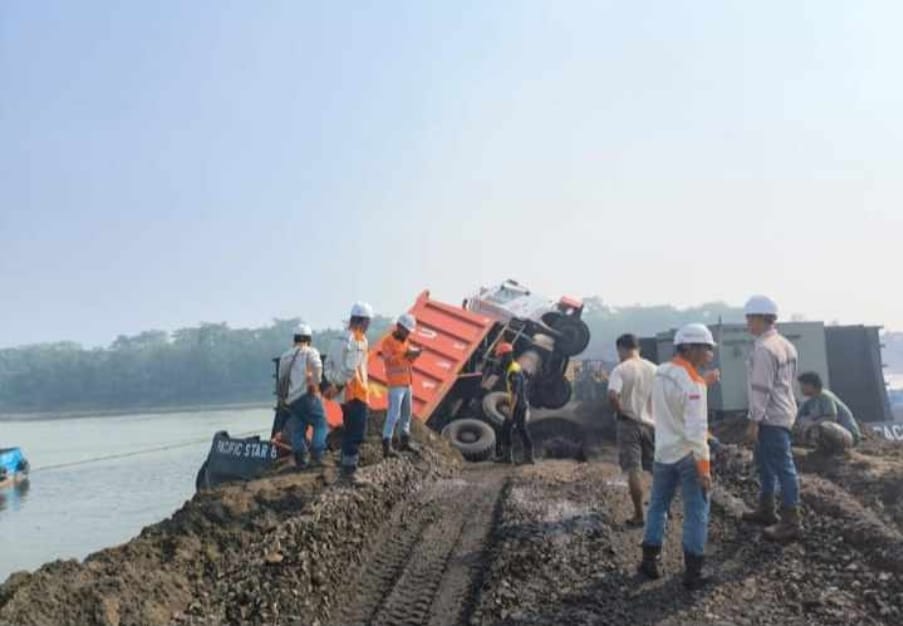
407,321
362,309
694,334
761,305
304,330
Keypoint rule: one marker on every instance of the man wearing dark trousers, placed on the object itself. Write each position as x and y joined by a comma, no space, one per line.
519,414
347,368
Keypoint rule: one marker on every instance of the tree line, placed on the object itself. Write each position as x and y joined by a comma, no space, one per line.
201,365
215,364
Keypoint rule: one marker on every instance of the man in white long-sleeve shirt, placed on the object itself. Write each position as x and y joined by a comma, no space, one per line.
772,412
680,409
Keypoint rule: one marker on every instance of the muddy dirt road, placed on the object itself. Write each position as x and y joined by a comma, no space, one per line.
427,562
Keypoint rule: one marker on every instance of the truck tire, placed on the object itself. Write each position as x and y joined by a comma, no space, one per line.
474,439
574,335
492,403
553,392
550,318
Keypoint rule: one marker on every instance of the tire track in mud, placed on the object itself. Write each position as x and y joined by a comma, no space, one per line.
425,565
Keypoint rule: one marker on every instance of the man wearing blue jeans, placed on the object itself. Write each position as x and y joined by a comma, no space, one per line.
680,410
772,413
300,405
399,355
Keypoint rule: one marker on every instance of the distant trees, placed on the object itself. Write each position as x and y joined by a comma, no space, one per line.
205,364
608,323
212,363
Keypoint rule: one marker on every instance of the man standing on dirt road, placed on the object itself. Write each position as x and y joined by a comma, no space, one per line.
680,410
772,412
399,357
516,383
300,405
346,372
630,395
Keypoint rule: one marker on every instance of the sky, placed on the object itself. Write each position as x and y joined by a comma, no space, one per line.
166,163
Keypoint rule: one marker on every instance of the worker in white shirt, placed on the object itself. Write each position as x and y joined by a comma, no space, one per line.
772,412
299,401
630,395
680,410
347,378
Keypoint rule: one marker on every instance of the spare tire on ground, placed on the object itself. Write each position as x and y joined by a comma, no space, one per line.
474,439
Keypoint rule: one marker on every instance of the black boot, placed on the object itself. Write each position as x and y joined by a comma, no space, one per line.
506,456
408,444
693,577
302,460
649,565
388,451
349,476
529,459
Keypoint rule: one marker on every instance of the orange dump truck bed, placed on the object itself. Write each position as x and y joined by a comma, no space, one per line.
448,336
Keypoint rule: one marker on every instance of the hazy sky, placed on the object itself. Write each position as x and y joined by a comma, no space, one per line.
164,163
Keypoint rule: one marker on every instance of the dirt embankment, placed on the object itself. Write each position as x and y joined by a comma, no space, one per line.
563,555
278,550
434,542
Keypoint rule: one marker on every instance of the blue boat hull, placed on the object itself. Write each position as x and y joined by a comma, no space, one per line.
13,467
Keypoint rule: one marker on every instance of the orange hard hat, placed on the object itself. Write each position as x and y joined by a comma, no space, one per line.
504,348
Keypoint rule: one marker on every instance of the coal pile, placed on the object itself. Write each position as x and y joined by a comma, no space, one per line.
563,555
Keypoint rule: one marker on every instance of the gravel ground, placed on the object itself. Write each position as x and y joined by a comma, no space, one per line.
433,541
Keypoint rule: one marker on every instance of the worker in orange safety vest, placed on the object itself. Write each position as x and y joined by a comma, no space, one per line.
399,355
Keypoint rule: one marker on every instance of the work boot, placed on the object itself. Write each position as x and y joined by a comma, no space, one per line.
388,451
350,478
693,577
506,456
529,459
408,444
649,565
316,459
764,515
788,529
302,461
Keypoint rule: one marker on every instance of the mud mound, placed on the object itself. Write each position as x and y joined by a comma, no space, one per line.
260,552
876,481
563,555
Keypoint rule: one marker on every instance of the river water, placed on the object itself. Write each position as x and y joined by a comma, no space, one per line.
72,511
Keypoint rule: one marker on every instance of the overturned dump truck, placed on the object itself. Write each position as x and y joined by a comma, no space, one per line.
457,386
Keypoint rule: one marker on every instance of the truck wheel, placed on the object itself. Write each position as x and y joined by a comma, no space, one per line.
550,318
492,407
474,439
574,335
553,392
